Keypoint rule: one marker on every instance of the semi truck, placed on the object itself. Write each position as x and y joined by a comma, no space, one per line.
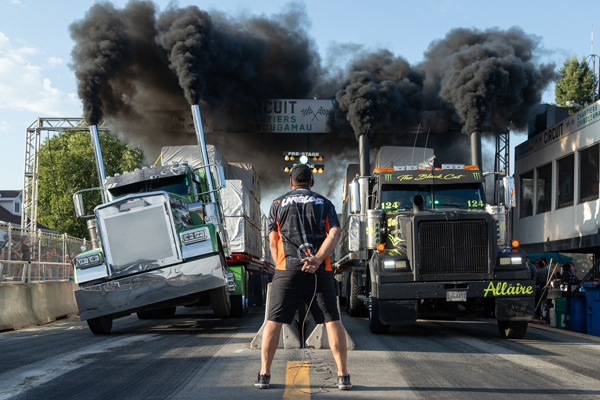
160,240
420,241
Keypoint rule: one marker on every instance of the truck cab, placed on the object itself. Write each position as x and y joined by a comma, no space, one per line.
433,248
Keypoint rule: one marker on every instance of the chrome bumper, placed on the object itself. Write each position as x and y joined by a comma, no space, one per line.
151,287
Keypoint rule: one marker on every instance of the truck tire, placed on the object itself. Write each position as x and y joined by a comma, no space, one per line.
256,291
512,329
354,306
101,325
375,324
238,306
220,302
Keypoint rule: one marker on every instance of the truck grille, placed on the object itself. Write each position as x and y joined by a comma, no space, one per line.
137,239
453,247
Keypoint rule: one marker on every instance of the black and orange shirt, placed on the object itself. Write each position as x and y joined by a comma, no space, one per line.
302,219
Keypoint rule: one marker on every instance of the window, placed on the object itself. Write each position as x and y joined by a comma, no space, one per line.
526,201
588,174
544,189
566,173
17,208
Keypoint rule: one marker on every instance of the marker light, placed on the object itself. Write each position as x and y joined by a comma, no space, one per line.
292,158
287,158
315,158
320,158
287,169
514,243
380,247
303,159
314,170
320,170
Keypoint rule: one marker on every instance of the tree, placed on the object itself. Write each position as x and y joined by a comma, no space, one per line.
576,82
67,165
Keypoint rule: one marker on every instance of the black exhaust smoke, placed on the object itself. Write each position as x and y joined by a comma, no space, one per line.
135,59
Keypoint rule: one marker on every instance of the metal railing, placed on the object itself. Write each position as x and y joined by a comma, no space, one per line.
34,256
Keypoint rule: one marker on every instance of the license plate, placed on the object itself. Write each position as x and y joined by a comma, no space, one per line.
456,295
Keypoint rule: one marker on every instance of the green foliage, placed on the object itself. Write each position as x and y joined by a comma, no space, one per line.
67,165
576,82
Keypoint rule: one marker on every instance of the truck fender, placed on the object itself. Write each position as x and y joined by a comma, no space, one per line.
373,278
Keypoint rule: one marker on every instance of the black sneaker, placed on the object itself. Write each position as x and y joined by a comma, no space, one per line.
343,382
262,382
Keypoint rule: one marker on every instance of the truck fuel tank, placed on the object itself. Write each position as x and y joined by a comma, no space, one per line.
375,227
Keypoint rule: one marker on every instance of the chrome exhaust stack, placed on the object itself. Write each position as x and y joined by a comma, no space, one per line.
476,149
98,156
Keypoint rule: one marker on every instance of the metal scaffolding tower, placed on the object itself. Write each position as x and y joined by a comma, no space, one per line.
501,163
32,153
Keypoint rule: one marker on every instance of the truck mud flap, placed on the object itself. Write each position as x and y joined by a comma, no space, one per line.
398,311
515,308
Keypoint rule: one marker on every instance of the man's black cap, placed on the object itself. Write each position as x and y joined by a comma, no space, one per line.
301,173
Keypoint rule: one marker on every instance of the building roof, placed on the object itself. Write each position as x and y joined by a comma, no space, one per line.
9,194
6,216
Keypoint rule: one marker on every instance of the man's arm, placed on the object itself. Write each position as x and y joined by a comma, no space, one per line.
311,264
273,239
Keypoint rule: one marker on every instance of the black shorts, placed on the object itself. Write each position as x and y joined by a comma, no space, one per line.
290,287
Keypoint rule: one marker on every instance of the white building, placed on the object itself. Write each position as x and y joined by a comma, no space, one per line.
557,180
11,201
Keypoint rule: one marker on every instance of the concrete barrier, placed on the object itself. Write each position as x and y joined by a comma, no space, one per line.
318,339
52,300
15,307
289,338
35,304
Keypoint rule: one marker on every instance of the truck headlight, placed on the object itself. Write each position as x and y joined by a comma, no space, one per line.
510,261
89,261
395,264
195,235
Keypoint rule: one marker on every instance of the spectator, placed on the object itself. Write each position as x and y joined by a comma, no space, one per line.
26,249
531,267
568,276
541,275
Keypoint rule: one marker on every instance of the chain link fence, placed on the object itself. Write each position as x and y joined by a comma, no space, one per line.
34,256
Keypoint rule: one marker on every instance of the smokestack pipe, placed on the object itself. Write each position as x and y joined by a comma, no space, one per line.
363,152
476,149
202,147
98,157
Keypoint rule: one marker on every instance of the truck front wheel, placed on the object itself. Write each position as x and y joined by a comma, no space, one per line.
512,329
354,306
101,325
375,324
220,302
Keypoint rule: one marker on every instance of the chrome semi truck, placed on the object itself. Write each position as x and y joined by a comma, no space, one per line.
421,242
158,242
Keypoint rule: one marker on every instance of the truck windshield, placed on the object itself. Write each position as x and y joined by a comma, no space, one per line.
172,184
463,195
398,197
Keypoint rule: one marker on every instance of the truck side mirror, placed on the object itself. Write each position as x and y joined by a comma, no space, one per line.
354,191
78,202
509,191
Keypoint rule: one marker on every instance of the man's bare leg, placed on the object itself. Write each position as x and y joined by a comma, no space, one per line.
269,343
337,342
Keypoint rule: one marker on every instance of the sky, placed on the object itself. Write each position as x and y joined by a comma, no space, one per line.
35,46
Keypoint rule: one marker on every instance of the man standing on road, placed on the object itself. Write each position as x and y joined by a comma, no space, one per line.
303,231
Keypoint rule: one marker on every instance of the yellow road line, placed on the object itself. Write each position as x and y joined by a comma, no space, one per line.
302,381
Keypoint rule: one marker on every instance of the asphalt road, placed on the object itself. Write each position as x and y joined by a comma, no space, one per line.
197,356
